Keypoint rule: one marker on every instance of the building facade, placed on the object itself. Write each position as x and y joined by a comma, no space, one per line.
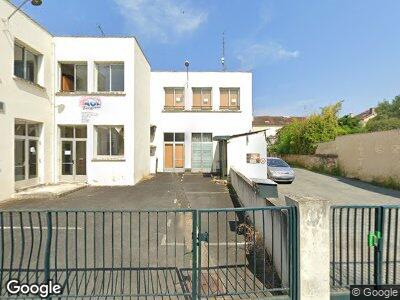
26,96
89,109
189,110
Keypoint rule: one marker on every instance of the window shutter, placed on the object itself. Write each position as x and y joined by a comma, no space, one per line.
224,98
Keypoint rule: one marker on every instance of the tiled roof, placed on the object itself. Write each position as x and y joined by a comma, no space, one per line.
274,120
366,114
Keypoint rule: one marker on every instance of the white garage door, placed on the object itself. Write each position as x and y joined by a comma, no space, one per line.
202,152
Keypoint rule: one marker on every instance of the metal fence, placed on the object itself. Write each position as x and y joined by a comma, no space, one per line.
365,245
184,254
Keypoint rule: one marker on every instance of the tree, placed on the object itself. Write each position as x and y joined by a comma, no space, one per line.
349,124
302,137
383,124
386,109
387,116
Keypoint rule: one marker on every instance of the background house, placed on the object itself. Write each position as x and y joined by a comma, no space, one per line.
367,115
272,124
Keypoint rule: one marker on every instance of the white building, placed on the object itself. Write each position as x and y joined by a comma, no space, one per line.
89,109
188,112
102,110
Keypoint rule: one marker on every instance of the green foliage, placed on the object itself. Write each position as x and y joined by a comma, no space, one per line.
302,137
382,124
349,125
387,116
388,110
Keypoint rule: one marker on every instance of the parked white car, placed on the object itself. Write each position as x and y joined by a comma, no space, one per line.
279,171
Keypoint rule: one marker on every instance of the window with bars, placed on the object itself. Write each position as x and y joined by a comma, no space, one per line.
229,98
202,99
174,98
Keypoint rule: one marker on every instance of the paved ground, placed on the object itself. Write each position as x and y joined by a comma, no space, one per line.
142,251
338,190
165,190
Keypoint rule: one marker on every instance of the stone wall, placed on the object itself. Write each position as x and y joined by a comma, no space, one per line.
371,156
328,163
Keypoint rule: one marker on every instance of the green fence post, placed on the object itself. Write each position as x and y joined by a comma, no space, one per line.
378,249
195,262
294,253
48,248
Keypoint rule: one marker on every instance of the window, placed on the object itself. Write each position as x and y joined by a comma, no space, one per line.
110,140
174,98
26,150
202,98
230,98
174,137
73,77
110,77
25,63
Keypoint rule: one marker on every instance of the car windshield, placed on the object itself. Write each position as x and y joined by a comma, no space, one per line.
279,163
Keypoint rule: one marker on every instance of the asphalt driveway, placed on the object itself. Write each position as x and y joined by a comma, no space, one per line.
112,252
163,191
338,190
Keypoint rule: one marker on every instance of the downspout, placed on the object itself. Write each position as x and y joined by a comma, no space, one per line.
54,113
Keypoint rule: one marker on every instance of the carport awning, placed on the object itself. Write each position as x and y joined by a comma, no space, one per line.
221,138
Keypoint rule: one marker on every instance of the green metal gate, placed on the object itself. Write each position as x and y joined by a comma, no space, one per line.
365,246
185,254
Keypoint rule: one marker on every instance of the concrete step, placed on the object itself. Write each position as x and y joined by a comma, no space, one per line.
48,191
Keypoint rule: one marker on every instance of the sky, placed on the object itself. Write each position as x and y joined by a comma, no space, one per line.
304,54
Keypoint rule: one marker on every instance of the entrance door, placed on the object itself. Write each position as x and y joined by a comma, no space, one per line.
26,153
174,152
202,152
73,153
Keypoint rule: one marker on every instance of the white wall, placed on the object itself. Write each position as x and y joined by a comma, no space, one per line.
238,148
24,100
116,109
142,115
215,122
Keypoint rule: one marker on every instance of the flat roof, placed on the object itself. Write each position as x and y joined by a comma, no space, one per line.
200,71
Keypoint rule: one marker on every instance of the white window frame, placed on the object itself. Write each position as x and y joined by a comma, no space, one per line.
75,64
37,57
97,64
111,156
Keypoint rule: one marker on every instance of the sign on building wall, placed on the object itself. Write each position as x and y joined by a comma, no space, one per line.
255,158
90,103
89,107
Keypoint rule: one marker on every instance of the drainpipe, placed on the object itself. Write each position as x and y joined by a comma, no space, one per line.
54,161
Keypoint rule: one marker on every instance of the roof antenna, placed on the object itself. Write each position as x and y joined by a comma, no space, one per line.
223,52
101,30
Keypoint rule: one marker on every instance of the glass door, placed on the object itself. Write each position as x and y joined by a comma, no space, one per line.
19,160
73,153
26,158
67,160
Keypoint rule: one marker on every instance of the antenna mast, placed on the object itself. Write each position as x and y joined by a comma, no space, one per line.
101,30
223,52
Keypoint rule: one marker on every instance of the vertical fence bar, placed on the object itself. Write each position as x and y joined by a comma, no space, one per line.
195,257
378,248
293,256
48,247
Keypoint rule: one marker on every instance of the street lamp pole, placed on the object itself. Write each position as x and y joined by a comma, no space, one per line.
33,2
